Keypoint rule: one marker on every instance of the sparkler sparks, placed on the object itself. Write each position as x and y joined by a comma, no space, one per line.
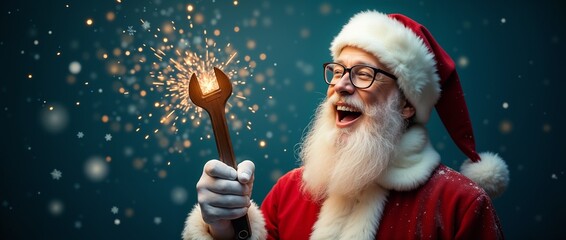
176,75
167,60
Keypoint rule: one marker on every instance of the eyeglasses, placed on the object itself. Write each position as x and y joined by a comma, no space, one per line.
361,76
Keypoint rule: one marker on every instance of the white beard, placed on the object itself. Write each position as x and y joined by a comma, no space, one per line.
344,162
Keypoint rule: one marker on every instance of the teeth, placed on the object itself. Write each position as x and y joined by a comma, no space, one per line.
346,108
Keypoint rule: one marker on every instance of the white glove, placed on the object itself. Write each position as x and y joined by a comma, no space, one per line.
224,194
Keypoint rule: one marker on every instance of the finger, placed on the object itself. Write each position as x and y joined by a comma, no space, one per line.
211,213
229,201
246,171
223,186
218,169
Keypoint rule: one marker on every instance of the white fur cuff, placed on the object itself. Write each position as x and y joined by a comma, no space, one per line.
197,229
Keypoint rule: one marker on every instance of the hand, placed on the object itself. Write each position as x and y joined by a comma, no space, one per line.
224,194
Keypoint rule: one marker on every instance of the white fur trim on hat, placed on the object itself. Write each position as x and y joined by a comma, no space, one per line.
491,173
401,50
197,229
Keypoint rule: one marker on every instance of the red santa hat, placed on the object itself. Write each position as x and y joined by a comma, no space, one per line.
427,76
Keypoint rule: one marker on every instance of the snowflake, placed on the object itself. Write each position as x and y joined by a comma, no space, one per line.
114,210
146,25
131,30
56,174
80,134
108,137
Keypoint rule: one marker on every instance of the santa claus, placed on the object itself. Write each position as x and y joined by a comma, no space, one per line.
369,170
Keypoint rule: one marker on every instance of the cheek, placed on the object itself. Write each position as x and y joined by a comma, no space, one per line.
370,98
330,91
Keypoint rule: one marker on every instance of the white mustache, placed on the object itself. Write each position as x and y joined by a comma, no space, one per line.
356,103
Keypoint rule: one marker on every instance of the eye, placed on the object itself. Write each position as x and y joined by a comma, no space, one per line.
379,76
364,73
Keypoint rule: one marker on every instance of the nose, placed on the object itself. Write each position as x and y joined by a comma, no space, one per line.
344,85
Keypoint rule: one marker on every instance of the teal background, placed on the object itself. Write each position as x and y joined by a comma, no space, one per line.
513,80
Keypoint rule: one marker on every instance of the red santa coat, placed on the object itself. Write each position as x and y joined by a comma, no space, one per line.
447,206
416,197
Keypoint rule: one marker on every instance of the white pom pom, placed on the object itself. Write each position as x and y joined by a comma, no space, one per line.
491,173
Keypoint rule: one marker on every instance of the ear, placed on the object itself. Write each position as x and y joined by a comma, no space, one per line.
408,110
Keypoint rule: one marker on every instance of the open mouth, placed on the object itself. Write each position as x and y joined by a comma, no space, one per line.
346,115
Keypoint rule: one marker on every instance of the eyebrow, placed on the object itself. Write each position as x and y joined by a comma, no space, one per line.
358,63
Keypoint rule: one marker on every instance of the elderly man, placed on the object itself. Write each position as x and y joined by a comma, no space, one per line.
369,170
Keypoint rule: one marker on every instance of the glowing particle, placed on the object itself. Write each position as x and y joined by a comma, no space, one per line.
114,210
463,61
505,127
89,22
553,176
129,212
187,143
275,174
36,42
236,29
110,16
55,207
216,32
250,44
190,8
157,220
54,118
325,9
116,221
108,137
162,174
235,2
505,105
503,20
96,169
262,56
75,67
546,128
56,174
80,135
104,118
262,144
30,76
179,195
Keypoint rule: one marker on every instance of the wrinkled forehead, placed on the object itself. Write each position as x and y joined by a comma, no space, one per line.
350,55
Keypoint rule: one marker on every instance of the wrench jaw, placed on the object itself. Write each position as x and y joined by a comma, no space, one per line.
224,83
195,93
223,92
